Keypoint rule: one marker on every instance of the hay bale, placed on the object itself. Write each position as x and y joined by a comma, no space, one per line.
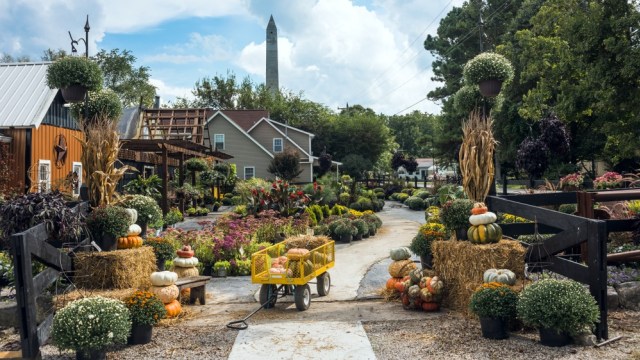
308,242
461,266
119,269
60,301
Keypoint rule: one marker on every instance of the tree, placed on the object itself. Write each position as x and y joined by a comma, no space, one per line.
129,82
533,158
285,165
397,160
413,132
53,55
324,162
410,164
8,58
356,165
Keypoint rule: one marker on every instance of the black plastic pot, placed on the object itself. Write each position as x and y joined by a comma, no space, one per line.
74,93
426,261
140,334
490,88
494,328
551,337
99,354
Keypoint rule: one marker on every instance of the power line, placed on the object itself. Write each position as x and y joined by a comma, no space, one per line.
410,106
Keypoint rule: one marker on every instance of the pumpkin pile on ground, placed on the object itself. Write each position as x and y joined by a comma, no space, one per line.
164,287
401,266
133,238
420,291
484,229
185,264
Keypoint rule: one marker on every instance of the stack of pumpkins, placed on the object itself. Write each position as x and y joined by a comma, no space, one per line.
133,239
401,266
484,229
419,291
185,264
164,287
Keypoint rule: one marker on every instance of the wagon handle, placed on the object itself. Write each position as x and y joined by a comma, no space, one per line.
242,324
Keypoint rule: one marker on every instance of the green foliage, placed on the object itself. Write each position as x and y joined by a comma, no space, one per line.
150,186
494,300
455,214
344,198
362,226
129,82
91,323
402,197
174,216
145,308
74,70
414,203
149,212
312,217
568,208
241,210
103,104
188,192
562,305
25,211
7,277
449,192
432,214
427,234
222,264
344,227
196,164
243,267
286,165
326,211
422,194
162,248
486,66
108,220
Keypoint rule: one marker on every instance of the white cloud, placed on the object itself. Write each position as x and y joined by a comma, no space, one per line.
168,92
209,48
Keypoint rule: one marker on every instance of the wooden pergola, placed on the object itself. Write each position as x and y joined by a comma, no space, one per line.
166,152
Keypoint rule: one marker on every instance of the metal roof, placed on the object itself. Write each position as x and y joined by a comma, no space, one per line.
25,96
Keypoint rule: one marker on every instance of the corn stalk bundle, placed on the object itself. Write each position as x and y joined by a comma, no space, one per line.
100,148
476,156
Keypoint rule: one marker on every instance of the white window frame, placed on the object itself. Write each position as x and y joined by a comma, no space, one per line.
47,180
77,165
216,142
253,168
281,145
152,170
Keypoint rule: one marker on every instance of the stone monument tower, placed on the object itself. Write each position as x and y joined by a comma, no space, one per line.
272,57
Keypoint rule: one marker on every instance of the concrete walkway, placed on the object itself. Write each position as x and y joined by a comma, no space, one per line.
359,272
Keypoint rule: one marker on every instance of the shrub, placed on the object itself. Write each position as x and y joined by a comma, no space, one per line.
149,186
344,198
108,220
236,200
162,248
568,208
326,211
362,226
243,267
414,203
432,214
422,194
455,214
321,230
312,217
427,234
145,308
494,300
402,197
377,190
78,327
101,104
561,305
407,191
196,165
149,212
174,216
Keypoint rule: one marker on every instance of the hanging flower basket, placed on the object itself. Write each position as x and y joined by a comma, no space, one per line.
490,88
74,93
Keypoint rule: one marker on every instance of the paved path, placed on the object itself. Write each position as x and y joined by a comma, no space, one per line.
359,272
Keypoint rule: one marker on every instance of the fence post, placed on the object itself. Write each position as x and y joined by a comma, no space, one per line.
597,262
25,297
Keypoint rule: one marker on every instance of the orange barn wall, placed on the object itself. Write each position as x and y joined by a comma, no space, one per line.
43,140
17,148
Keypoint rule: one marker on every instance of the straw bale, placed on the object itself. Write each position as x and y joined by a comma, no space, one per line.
60,301
401,268
308,242
461,266
119,269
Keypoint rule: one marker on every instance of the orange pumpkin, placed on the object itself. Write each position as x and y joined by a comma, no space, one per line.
430,306
185,252
399,286
391,283
173,308
479,208
129,242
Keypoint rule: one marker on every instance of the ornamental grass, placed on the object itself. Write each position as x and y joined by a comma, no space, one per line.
461,265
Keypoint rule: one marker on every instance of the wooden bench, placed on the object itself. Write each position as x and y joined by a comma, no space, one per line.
197,285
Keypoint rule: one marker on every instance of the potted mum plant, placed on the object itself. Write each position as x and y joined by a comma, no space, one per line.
90,325
345,230
421,243
162,248
489,70
221,268
146,310
362,229
101,104
558,308
454,215
74,75
107,224
571,182
149,212
495,304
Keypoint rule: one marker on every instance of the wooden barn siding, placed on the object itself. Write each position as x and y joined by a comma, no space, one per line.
43,141
18,149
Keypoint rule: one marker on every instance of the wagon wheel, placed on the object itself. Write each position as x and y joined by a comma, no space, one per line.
268,295
324,284
303,297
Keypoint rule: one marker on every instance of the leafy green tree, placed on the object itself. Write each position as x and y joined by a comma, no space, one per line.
412,132
356,165
129,82
53,55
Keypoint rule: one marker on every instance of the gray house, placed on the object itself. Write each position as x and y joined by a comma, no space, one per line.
253,139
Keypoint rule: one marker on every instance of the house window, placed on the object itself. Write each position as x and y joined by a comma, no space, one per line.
249,172
148,171
44,175
277,145
76,177
218,141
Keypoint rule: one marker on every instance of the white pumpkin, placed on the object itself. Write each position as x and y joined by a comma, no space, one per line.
166,294
185,262
503,276
483,219
133,215
134,230
163,278
184,272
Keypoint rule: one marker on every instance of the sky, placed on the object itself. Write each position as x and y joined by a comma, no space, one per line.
334,52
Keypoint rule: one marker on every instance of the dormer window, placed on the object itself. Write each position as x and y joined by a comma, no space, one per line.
277,145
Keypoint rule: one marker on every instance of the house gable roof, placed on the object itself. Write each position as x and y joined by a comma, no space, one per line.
291,127
232,122
25,96
245,119
267,121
